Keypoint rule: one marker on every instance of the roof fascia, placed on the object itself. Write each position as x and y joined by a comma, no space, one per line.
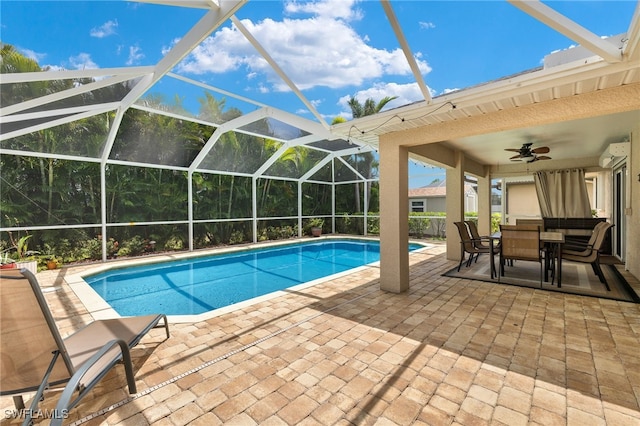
254,42
397,29
569,28
496,90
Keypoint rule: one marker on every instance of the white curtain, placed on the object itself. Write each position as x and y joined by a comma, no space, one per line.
562,193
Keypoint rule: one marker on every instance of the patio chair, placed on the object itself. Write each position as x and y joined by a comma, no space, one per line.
585,249
591,254
469,245
520,242
35,357
481,241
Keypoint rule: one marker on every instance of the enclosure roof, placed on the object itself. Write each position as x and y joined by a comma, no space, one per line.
282,106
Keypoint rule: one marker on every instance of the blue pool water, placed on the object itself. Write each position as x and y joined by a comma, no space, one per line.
201,284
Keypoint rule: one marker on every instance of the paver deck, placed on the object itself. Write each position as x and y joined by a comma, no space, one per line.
447,352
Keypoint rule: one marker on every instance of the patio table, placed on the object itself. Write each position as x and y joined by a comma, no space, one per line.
554,239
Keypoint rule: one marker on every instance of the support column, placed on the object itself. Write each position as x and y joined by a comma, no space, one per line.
484,205
394,218
455,206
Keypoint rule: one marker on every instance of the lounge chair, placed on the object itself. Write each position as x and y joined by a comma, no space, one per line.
35,357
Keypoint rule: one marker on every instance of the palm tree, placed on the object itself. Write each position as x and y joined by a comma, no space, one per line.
358,110
369,107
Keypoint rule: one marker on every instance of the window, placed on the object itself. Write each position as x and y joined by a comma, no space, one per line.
418,206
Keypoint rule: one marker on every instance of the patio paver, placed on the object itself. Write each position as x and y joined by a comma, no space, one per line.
448,351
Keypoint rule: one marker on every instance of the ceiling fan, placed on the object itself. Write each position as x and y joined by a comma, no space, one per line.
529,154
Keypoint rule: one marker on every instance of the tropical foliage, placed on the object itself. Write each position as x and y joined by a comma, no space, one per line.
146,208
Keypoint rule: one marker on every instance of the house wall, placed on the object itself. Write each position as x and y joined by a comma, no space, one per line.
521,202
432,204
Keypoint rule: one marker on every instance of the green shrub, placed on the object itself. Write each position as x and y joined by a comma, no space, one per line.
132,247
174,243
237,237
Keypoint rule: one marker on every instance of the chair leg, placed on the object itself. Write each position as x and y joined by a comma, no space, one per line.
541,273
598,269
470,260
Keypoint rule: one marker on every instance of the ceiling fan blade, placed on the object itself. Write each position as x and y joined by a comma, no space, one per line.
543,157
512,149
541,150
515,157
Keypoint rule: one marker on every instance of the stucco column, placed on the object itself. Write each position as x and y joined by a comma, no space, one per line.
484,205
632,213
394,218
455,206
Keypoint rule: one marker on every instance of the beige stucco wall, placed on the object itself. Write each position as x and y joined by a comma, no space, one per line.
522,202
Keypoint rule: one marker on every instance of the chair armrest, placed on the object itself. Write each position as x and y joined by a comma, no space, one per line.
581,251
65,403
577,246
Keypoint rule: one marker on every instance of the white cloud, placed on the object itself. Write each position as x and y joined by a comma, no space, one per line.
82,61
445,91
338,9
31,54
104,30
406,93
135,55
318,51
426,25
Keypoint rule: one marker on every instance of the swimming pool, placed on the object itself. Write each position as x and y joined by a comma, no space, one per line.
195,285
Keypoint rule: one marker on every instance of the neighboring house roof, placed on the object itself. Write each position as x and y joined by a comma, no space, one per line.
436,189
428,191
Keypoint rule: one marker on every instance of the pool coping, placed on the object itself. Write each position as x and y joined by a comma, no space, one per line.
98,308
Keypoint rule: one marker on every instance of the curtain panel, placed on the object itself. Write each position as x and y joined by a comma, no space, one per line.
562,193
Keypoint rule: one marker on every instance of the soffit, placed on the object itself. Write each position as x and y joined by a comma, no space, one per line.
586,137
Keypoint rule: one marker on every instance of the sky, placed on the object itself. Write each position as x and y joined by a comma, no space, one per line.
332,49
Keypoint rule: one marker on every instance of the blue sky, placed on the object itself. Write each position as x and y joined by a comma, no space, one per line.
331,49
